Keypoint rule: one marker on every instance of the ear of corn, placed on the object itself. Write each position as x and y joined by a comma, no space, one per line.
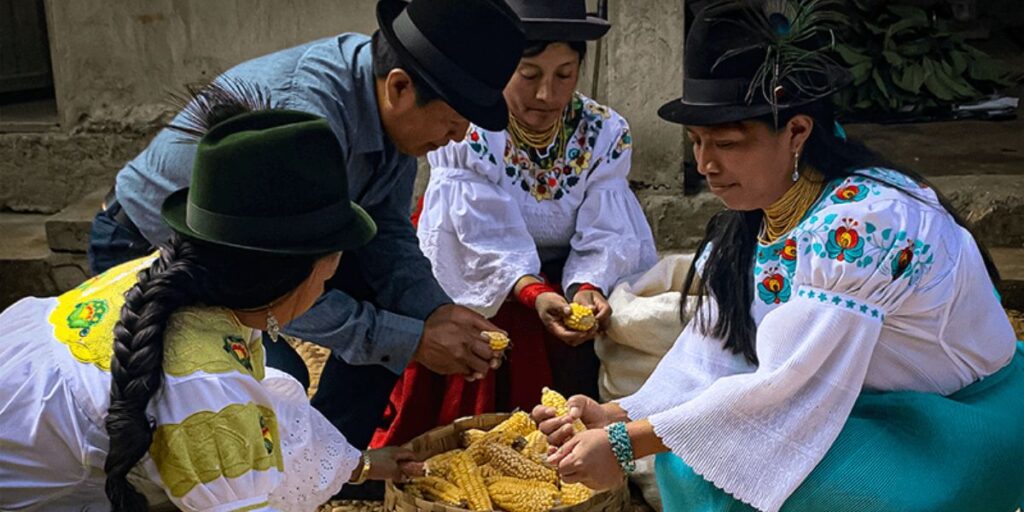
512,463
499,341
581,319
438,489
536,447
554,399
519,424
466,475
440,465
515,495
476,451
471,436
573,494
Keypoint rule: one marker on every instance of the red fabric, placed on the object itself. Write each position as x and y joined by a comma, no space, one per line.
422,400
588,286
415,218
528,295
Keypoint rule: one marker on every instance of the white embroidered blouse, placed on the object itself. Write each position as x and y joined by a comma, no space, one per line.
494,210
874,290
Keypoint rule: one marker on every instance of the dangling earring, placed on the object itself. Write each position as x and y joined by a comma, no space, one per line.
796,167
273,329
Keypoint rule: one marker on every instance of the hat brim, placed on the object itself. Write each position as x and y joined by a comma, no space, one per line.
354,234
543,29
679,112
490,117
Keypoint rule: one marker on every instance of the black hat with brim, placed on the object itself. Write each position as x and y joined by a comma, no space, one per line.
270,181
465,50
724,52
561,20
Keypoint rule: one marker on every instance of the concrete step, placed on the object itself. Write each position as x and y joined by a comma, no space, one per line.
27,265
68,230
1010,263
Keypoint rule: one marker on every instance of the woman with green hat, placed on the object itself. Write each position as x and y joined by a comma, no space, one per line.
146,385
850,351
520,222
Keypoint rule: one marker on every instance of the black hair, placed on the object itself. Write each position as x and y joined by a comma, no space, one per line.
534,48
385,58
732,234
187,272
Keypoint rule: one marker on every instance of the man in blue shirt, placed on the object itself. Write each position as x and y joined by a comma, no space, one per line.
434,66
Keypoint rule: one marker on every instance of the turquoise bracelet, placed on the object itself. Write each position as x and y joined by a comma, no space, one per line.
622,447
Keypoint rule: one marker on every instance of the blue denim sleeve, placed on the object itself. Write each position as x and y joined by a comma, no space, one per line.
358,332
393,263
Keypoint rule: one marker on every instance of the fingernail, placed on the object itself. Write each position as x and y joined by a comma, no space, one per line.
478,376
495,364
574,412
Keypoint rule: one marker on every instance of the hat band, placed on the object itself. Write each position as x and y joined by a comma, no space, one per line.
716,92
468,86
291,229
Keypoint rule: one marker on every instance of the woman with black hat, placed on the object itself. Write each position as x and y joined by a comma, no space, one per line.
850,351
148,383
540,212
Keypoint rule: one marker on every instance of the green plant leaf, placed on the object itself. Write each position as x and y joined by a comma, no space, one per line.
893,58
880,83
910,12
851,55
958,60
861,72
934,85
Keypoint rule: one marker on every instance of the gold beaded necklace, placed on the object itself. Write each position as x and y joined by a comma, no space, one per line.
785,213
536,140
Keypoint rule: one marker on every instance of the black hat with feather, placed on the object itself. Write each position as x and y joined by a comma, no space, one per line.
749,58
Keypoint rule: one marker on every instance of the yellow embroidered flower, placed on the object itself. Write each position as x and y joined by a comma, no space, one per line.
579,160
598,109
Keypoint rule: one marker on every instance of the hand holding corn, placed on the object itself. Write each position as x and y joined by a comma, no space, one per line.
572,325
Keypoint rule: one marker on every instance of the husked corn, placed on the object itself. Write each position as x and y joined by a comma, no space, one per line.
515,495
437,489
499,341
466,474
519,424
471,436
512,463
440,465
581,319
554,399
573,494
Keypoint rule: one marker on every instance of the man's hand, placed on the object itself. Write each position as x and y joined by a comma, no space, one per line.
553,310
453,342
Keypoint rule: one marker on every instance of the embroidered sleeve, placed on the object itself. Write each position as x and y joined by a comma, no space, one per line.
612,239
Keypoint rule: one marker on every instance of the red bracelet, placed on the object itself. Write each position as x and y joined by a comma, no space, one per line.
528,295
588,286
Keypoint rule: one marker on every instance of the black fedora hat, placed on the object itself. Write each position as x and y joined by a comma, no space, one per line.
558,20
466,50
749,58
270,181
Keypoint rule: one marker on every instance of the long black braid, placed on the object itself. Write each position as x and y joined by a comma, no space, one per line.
187,272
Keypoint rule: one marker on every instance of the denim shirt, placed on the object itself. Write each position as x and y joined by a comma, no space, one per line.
332,78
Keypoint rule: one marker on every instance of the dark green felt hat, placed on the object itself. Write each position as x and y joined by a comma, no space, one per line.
270,181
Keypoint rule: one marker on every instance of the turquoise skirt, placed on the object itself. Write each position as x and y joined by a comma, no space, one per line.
900,451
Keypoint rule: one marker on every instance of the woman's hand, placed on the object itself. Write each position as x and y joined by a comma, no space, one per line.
553,309
598,304
393,463
588,458
559,429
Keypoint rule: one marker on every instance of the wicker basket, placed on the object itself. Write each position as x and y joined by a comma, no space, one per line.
443,439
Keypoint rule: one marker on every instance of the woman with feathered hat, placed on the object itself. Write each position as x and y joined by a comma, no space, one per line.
850,351
147,385
518,223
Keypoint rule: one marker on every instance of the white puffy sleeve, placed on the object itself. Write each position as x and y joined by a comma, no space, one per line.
612,238
226,441
470,228
758,435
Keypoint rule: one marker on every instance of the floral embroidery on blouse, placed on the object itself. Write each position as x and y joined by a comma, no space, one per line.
552,172
842,239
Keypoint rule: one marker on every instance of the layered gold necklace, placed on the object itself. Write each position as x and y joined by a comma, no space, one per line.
536,140
785,213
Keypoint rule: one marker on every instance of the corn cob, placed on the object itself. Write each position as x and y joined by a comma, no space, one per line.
536,447
512,463
476,451
519,423
466,475
487,471
438,489
573,494
440,465
499,341
515,495
471,436
552,398
581,319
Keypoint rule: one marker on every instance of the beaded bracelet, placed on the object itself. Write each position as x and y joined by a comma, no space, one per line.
622,446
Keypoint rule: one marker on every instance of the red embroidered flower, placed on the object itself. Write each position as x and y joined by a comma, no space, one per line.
552,182
774,284
789,250
474,136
